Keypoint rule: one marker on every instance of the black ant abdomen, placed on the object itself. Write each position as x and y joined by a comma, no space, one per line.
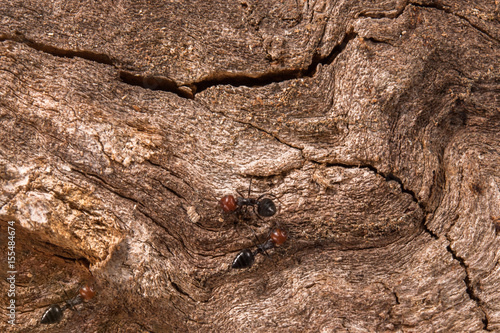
52,315
266,207
244,259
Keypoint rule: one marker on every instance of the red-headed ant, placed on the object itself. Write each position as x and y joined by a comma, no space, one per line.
245,258
54,313
265,206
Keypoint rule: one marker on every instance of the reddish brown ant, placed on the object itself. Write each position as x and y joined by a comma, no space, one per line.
54,313
261,206
246,257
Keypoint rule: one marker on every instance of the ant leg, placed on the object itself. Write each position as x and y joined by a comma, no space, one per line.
64,290
231,219
241,195
269,195
67,301
262,246
242,209
223,224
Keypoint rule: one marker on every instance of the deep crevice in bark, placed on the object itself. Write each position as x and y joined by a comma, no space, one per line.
59,52
275,76
163,83
157,82
390,176
429,231
404,189
468,285
82,260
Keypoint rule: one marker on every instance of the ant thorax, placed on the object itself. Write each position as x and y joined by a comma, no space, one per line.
240,201
269,244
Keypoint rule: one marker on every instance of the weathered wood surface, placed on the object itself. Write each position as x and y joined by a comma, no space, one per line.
376,125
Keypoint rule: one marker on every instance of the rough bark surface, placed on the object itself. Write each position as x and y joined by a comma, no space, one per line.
375,124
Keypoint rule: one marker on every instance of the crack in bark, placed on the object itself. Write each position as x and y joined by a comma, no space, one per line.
157,82
98,138
277,138
59,52
399,10
378,41
164,83
404,189
450,11
236,79
170,190
426,229
84,261
178,177
388,177
106,185
469,289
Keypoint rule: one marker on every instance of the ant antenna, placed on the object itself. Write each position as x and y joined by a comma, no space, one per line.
249,188
70,302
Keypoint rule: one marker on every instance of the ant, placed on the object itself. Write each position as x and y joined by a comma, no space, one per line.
54,313
246,257
265,206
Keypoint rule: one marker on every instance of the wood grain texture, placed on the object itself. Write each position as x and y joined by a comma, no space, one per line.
375,126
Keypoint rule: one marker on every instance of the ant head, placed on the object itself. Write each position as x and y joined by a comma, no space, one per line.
228,203
87,291
278,236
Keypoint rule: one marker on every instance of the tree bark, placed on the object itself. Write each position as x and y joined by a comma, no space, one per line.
375,127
